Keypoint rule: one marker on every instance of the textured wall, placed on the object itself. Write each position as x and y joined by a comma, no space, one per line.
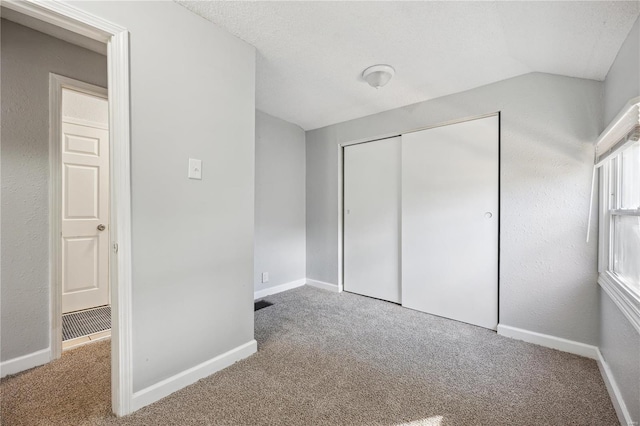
623,80
619,341
192,95
620,347
549,124
27,57
280,202
322,207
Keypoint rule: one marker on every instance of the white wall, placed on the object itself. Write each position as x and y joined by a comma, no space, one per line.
619,340
192,95
623,79
27,57
620,348
549,124
280,234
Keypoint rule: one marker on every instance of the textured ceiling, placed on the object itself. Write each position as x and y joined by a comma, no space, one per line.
311,54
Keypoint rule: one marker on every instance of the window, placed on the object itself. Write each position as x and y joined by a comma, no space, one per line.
624,217
620,229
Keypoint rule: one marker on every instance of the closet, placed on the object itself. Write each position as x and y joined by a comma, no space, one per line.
421,220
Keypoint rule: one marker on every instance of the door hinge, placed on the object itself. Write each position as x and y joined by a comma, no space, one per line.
115,247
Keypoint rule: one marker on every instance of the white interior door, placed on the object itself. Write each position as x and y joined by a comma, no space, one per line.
372,219
85,215
450,221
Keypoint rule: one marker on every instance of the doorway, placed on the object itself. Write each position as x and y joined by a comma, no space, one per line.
65,21
79,114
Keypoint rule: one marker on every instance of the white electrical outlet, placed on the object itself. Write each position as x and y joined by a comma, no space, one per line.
265,277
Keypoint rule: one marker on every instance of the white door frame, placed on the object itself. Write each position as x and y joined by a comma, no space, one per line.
117,38
56,84
342,145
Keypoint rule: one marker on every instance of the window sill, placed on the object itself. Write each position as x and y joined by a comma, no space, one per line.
623,297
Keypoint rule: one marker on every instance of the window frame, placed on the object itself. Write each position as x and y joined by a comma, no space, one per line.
623,294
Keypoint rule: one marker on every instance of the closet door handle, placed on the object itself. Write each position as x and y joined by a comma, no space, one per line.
488,215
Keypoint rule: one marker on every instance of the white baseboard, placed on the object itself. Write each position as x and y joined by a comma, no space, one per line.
548,341
25,362
323,285
614,392
278,289
172,384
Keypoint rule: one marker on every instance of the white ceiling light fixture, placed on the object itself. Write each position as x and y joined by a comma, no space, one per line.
378,75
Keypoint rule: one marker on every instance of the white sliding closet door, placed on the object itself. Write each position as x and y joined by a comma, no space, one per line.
450,221
372,219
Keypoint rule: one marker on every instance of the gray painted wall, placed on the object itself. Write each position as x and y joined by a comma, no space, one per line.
549,124
322,204
27,57
619,341
620,348
280,234
623,79
192,95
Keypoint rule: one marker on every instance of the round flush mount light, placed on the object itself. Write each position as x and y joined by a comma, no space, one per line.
378,75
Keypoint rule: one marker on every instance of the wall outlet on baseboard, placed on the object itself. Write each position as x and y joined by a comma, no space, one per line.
265,277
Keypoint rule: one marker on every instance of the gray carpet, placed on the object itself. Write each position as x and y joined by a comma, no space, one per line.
342,359
83,323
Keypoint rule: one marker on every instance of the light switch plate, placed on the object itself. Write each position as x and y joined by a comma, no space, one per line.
195,169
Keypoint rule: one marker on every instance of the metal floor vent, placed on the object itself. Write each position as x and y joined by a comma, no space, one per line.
260,304
83,323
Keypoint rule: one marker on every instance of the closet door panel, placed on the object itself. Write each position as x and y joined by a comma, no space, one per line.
372,219
450,179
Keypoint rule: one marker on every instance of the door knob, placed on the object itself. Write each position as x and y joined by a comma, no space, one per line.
488,215
101,227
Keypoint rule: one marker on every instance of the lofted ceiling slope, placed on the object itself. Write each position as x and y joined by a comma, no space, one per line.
311,53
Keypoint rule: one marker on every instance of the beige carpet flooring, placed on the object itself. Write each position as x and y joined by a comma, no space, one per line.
338,359
73,390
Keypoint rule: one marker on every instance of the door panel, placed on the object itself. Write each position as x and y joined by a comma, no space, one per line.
85,206
75,144
372,219
82,271
81,189
450,221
